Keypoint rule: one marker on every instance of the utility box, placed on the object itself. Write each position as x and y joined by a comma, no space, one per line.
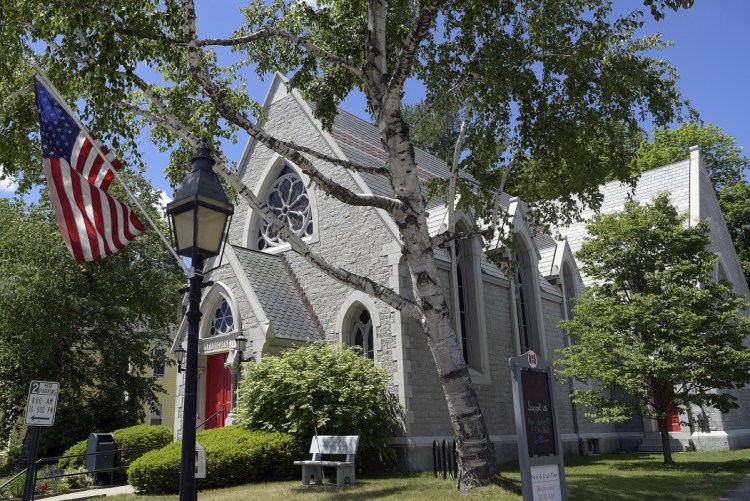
100,442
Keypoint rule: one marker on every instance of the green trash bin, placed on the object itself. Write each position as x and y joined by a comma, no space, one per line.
100,442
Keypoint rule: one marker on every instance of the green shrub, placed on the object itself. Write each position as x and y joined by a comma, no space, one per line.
333,388
14,489
233,456
135,436
141,436
74,463
11,457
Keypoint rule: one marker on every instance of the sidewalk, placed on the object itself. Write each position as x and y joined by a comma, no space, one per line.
740,492
94,493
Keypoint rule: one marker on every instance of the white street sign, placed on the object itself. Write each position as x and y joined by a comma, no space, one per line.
200,461
42,403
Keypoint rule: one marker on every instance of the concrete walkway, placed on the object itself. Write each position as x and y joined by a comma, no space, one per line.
94,493
740,492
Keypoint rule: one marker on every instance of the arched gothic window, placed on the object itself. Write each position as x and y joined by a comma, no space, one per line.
463,300
522,304
467,303
223,320
362,333
288,200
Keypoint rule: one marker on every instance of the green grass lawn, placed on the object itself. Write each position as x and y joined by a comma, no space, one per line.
694,476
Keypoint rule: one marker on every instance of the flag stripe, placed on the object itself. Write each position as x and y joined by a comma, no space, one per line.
63,213
92,222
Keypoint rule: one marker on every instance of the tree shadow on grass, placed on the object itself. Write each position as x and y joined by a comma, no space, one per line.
508,484
342,493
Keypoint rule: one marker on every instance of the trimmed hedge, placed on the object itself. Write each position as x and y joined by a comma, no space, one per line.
125,438
233,456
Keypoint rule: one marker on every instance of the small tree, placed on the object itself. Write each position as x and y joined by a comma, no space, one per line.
323,389
654,331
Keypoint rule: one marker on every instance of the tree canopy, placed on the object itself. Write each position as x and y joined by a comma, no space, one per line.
723,158
557,89
654,332
89,327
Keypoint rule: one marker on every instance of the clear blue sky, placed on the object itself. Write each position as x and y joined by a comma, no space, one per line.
711,54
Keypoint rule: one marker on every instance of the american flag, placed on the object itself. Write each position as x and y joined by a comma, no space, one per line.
93,224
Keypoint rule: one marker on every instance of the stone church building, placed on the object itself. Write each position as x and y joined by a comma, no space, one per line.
277,300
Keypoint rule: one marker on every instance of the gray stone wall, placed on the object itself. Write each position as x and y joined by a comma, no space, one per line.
349,237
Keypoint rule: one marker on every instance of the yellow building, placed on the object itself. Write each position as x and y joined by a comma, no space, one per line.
166,375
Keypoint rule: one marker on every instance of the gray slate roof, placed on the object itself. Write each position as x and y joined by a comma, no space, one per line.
673,179
280,299
360,142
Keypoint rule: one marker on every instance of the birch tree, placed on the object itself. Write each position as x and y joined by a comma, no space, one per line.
557,88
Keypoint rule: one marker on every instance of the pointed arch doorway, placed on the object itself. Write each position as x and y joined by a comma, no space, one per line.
218,391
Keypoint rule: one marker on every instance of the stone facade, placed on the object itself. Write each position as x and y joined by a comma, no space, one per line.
365,241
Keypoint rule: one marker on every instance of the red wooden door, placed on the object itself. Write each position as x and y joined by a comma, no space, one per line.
673,422
218,390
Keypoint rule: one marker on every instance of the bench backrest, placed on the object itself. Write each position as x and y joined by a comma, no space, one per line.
334,444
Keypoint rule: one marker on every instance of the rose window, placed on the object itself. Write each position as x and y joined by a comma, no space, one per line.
223,320
288,200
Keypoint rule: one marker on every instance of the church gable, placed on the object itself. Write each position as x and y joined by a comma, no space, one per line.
282,303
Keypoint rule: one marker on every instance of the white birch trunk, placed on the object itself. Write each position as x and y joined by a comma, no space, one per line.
476,455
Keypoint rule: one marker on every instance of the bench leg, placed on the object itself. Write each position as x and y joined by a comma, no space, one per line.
305,475
311,470
340,476
318,474
342,472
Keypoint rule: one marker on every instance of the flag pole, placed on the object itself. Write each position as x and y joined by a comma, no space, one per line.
47,83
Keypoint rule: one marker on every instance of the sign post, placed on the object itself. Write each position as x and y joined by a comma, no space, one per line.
40,411
539,444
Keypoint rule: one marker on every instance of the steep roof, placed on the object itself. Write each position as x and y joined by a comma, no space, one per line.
360,142
673,179
280,299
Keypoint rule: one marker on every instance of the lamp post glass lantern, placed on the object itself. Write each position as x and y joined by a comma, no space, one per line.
179,354
198,219
240,343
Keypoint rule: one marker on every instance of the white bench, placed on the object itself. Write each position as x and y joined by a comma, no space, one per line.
330,444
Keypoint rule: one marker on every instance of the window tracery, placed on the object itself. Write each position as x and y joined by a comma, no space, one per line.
223,320
362,334
288,200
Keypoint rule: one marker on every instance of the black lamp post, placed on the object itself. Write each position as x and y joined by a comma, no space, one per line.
240,342
198,219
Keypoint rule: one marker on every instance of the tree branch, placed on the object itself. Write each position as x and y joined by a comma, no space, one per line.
410,45
454,167
219,99
300,41
448,236
443,96
364,284
381,171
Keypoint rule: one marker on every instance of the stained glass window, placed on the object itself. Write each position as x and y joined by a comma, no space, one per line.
289,201
362,334
522,306
223,319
